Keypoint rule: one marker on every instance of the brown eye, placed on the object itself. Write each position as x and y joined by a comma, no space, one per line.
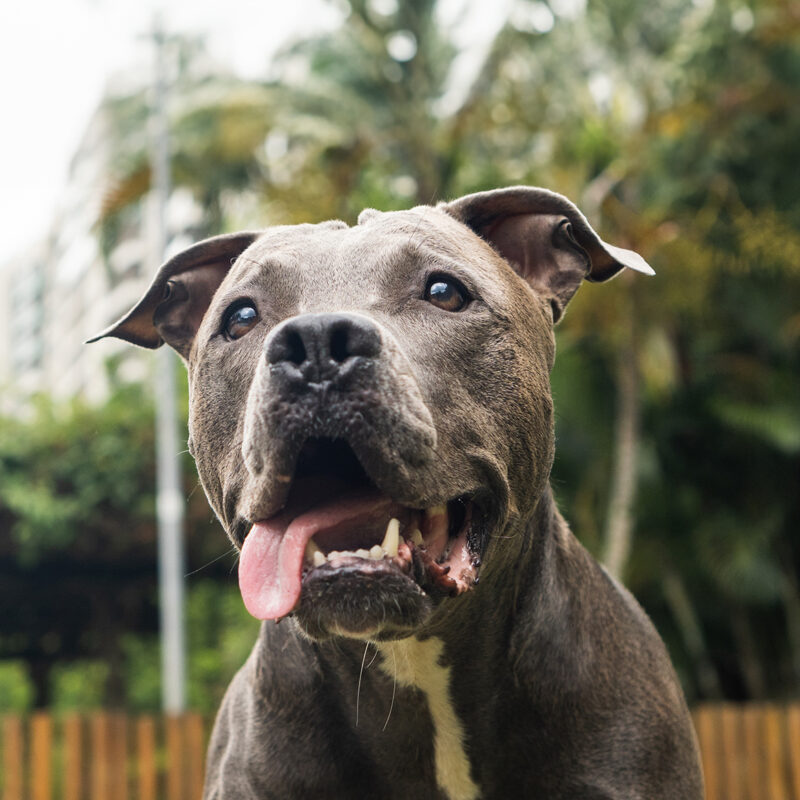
446,293
239,321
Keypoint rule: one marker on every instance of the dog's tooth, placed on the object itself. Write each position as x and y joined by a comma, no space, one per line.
362,553
311,549
376,552
333,554
319,558
416,537
392,538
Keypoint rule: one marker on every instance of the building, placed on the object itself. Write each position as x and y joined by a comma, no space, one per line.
73,284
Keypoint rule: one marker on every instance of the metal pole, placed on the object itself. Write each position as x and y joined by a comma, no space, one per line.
169,493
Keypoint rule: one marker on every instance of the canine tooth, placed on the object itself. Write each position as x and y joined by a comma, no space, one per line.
434,511
319,558
362,553
392,538
416,537
311,549
376,552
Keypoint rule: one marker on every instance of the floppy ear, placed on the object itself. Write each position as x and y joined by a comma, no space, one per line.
545,239
172,309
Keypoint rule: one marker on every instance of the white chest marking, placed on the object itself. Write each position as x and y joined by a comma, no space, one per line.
416,664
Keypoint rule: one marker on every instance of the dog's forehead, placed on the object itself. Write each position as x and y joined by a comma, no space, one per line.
378,244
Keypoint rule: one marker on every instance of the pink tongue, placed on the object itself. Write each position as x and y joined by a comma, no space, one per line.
271,562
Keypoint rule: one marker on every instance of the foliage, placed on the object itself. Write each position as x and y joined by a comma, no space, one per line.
79,685
78,544
676,128
220,635
69,470
217,124
16,690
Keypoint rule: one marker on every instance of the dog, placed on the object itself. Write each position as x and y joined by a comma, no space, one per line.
371,417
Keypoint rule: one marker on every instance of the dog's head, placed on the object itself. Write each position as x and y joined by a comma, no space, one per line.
369,405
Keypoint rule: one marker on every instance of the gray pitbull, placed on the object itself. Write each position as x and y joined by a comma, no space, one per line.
372,422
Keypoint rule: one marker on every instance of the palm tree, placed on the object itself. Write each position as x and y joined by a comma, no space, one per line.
218,124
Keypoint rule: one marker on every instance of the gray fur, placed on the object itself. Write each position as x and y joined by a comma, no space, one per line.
560,682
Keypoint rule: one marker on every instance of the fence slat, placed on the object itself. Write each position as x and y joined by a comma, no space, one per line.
195,755
732,752
146,756
705,721
754,752
13,755
41,769
793,742
118,756
73,758
775,761
98,724
175,759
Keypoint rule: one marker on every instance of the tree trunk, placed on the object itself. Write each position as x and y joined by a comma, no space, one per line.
39,669
680,605
752,674
791,603
619,522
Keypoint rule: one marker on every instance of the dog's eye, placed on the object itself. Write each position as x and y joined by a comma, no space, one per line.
239,320
446,293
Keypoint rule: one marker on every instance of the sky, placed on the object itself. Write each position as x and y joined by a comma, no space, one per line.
57,55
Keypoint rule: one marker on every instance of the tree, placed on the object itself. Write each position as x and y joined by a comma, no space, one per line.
218,125
78,551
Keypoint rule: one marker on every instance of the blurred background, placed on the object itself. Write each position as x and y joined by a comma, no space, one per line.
675,126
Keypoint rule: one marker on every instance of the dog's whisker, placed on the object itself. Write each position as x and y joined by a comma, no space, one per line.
394,688
213,561
418,226
361,675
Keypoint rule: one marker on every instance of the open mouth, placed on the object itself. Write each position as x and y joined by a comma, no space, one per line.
336,521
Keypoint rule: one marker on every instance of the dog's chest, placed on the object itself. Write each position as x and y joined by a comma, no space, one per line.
415,664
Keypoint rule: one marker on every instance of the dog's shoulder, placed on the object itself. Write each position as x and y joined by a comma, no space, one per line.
584,652
277,706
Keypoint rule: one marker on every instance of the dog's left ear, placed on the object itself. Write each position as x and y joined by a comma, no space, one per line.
545,238
172,309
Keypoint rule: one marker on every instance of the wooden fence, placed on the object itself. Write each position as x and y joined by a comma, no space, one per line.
749,752
103,756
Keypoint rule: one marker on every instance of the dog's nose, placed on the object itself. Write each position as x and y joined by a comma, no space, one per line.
321,346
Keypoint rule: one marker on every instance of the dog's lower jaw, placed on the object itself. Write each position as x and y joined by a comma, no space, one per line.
352,605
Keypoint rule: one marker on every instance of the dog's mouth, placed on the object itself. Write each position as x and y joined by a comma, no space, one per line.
336,522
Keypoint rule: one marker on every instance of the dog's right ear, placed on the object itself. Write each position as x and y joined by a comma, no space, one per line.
172,309
545,239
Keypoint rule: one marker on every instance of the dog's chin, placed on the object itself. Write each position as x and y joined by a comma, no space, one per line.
377,604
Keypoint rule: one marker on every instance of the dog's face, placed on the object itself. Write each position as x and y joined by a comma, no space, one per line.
369,406
370,375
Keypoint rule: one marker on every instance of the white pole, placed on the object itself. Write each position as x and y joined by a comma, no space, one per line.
169,493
